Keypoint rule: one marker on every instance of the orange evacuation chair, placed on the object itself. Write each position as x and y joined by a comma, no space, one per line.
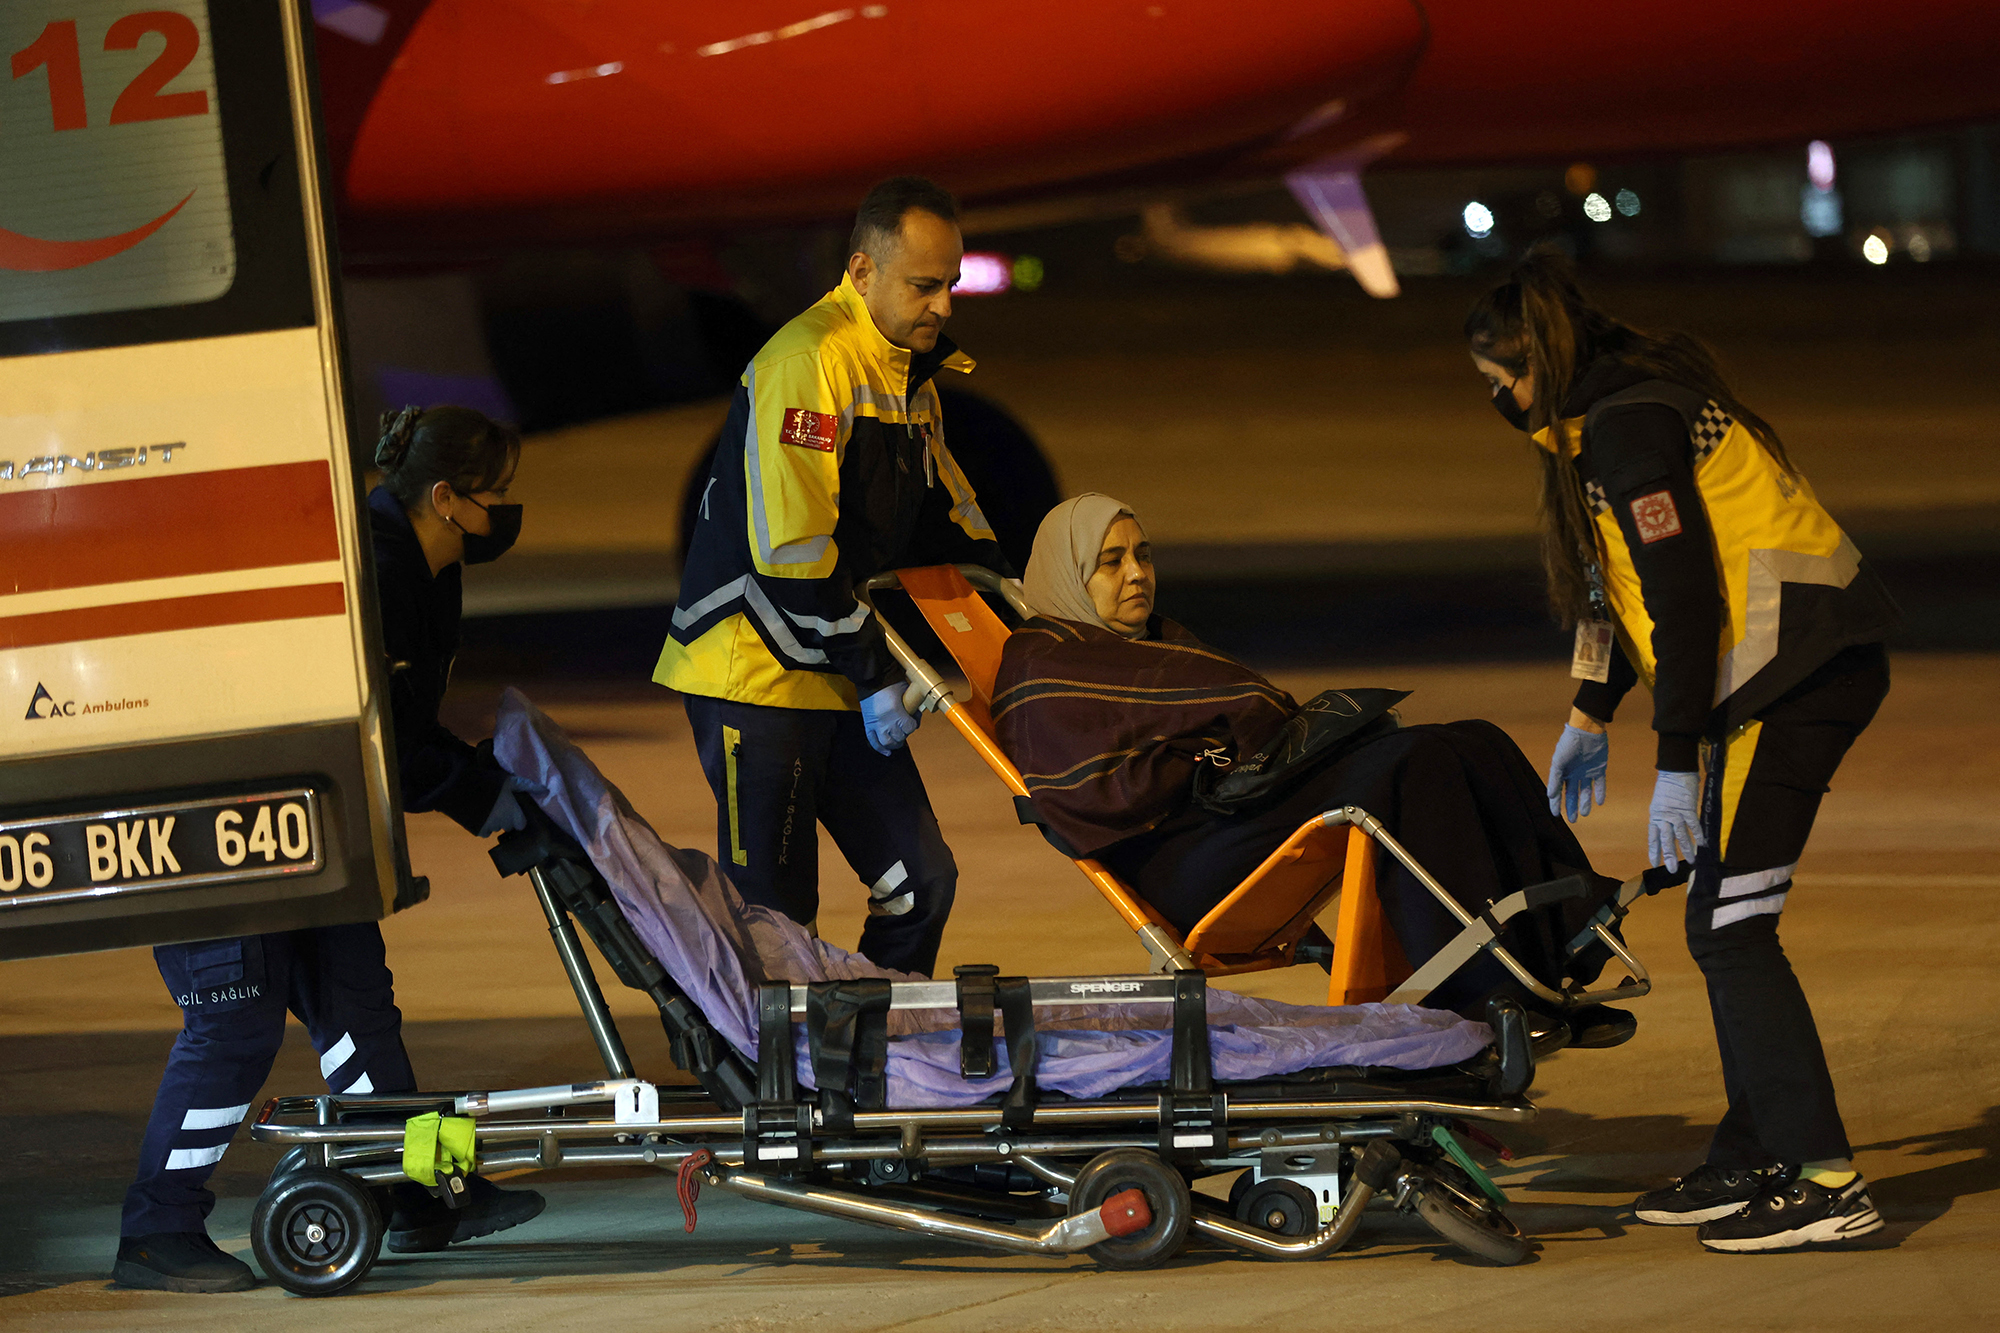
1261,922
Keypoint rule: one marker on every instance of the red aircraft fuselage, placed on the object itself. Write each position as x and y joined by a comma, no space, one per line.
467,123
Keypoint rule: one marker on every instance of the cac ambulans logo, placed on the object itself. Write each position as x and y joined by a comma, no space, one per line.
44,704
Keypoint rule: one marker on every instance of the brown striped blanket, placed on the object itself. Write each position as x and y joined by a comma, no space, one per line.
1107,731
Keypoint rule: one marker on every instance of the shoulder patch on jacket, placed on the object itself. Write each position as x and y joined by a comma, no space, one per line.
812,430
1655,517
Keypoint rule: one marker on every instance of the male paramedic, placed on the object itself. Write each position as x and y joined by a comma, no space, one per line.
832,468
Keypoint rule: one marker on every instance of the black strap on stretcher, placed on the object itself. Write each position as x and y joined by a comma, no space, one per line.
777,1127
1024,810
980,991
1017,1015
777,1080
847,1036
1192,1115
975,1019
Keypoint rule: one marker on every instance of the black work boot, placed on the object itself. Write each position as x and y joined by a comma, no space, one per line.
423,1222
179,1261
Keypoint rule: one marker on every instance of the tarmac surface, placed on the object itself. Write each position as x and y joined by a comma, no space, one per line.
1894,925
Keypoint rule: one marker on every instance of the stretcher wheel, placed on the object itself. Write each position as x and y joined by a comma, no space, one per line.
315,1231
1166,1192
1282,1206
1471,1221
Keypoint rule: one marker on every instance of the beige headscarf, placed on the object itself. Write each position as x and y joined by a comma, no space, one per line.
1065,555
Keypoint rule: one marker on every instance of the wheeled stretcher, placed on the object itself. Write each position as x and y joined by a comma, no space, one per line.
825,1085
1264,922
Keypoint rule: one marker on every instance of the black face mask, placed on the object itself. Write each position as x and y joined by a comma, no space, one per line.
504,524
1504,404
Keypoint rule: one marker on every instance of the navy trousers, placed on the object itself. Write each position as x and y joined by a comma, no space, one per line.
234,995
1762,794
778,771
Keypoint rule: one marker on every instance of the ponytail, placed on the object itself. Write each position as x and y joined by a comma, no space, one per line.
1539,322
465,449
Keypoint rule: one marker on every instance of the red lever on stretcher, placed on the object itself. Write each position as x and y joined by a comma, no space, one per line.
1126,1213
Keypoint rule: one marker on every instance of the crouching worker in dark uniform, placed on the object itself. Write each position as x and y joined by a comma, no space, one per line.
442,501
1693,555
832,467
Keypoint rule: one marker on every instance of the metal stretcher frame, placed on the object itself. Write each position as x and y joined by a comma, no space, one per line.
1261,922
316,1228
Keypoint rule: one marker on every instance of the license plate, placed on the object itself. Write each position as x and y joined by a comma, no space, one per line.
145,849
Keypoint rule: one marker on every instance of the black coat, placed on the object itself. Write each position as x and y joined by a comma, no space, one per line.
420,614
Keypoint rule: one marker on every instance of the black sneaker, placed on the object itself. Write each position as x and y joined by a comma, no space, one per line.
423,1222
179,1261
1789,1214
1702,1195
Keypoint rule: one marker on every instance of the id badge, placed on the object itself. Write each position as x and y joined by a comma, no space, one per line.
1592,660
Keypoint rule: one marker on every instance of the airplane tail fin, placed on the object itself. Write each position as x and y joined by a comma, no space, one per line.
1330,191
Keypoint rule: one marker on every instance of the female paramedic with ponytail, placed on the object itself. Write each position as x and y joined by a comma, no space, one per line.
1690,553
442,500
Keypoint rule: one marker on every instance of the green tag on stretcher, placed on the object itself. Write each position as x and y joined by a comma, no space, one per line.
1445,1140
438,1147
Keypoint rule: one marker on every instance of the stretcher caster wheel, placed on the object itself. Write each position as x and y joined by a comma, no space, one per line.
1282,1206
1166,1192
316,1232
1471,1221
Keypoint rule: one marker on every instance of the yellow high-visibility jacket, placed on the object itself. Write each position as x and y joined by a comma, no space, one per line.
1727,579
832,468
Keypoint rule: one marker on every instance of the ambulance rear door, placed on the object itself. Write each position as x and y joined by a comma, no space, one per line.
192,739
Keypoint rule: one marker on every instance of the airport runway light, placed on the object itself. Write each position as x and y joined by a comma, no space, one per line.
1627,203
1875,250
1478,220
983,273
1596,207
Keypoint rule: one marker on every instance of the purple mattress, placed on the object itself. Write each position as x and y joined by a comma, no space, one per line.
719,949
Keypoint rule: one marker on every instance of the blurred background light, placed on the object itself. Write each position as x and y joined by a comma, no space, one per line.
983,273
1919,247
1580,178
1478,220
1819,211
1875,250
1596,208
1819,164
1628,203
1028,273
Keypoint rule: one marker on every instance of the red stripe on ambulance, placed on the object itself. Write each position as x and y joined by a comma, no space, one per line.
160,527
249,606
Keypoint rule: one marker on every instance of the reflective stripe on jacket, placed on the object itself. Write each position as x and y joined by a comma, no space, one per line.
832,467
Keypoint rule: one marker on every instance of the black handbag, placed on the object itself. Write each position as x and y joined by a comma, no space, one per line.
1327,726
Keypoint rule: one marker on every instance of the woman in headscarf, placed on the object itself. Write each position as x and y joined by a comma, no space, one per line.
1109,710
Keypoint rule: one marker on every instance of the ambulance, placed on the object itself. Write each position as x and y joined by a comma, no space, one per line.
193,711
